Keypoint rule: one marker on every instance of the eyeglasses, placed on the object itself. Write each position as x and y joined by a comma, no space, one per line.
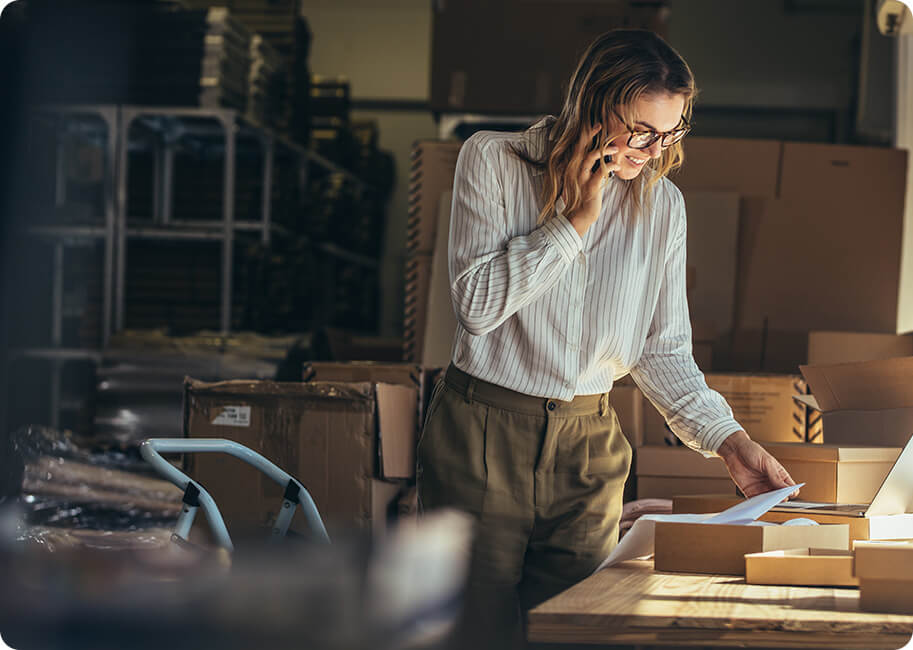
645,139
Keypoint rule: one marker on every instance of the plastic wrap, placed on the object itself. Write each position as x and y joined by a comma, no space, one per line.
56,482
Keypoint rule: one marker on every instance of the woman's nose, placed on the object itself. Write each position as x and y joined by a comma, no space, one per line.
655,150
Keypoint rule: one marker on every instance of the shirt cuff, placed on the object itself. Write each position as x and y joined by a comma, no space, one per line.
559,231
715,433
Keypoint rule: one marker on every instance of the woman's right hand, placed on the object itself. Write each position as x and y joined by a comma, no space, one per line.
592,183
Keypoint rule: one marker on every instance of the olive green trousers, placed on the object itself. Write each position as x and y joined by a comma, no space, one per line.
543,480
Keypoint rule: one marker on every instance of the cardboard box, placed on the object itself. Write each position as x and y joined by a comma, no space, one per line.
794,249
440,322
416,287
861,527
337,438
836,473
400,374
865,403
885,573
713,224
749,168
664,472
764,404
849,347
522,54
628,404
809,567
721,548
431,174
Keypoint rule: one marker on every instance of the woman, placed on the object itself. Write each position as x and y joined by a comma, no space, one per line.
567,272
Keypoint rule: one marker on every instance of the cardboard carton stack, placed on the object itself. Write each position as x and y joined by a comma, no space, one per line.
799,233
763,404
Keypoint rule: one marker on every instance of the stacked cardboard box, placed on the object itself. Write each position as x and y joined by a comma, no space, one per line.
520,56
431,177
763,404
799,229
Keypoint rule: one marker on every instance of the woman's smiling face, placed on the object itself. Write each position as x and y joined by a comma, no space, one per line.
654,112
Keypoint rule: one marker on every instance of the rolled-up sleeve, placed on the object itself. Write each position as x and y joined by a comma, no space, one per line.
666,372
492,273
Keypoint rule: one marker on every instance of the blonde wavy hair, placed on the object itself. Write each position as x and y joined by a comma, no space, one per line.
617,69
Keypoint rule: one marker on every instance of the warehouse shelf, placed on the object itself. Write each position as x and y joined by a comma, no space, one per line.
57,353
221,135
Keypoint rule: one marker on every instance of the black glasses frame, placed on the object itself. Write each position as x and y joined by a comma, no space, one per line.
673,136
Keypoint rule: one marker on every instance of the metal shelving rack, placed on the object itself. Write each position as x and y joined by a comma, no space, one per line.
116,228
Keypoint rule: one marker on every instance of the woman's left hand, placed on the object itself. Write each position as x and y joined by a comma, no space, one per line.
752,468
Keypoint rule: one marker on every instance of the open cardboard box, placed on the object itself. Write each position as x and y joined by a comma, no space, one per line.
721,548
347,442
809,567
862,403
885,573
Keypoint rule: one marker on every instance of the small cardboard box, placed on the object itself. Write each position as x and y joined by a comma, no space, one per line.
882,527
835,473
664,472
864,403
885,573
721,548
808,567
337,438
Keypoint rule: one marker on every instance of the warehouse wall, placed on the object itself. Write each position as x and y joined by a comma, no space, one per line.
776,55
384,48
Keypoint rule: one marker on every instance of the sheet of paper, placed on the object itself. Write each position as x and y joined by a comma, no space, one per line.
638,542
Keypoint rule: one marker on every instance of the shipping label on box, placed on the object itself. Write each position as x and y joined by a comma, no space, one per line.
338,439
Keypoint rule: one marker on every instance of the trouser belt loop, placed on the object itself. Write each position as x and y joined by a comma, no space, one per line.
470,389
604,404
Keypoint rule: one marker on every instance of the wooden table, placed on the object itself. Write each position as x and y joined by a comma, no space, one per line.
633,605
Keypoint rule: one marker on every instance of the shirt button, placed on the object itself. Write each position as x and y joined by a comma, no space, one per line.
551,406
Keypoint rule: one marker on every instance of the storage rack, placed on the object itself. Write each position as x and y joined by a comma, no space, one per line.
116,226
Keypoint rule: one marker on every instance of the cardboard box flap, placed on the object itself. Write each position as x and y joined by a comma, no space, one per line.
396,417
832,453
808,400
362,392
388,373
865,386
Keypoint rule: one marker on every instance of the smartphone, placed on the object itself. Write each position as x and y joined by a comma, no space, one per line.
606,159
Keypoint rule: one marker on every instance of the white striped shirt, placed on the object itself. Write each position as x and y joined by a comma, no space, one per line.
545,313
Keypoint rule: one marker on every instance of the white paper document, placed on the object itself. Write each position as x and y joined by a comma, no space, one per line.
638,542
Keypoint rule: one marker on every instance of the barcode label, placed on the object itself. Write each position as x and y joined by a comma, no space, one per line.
233,416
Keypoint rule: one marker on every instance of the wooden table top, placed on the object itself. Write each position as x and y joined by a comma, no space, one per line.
632,604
